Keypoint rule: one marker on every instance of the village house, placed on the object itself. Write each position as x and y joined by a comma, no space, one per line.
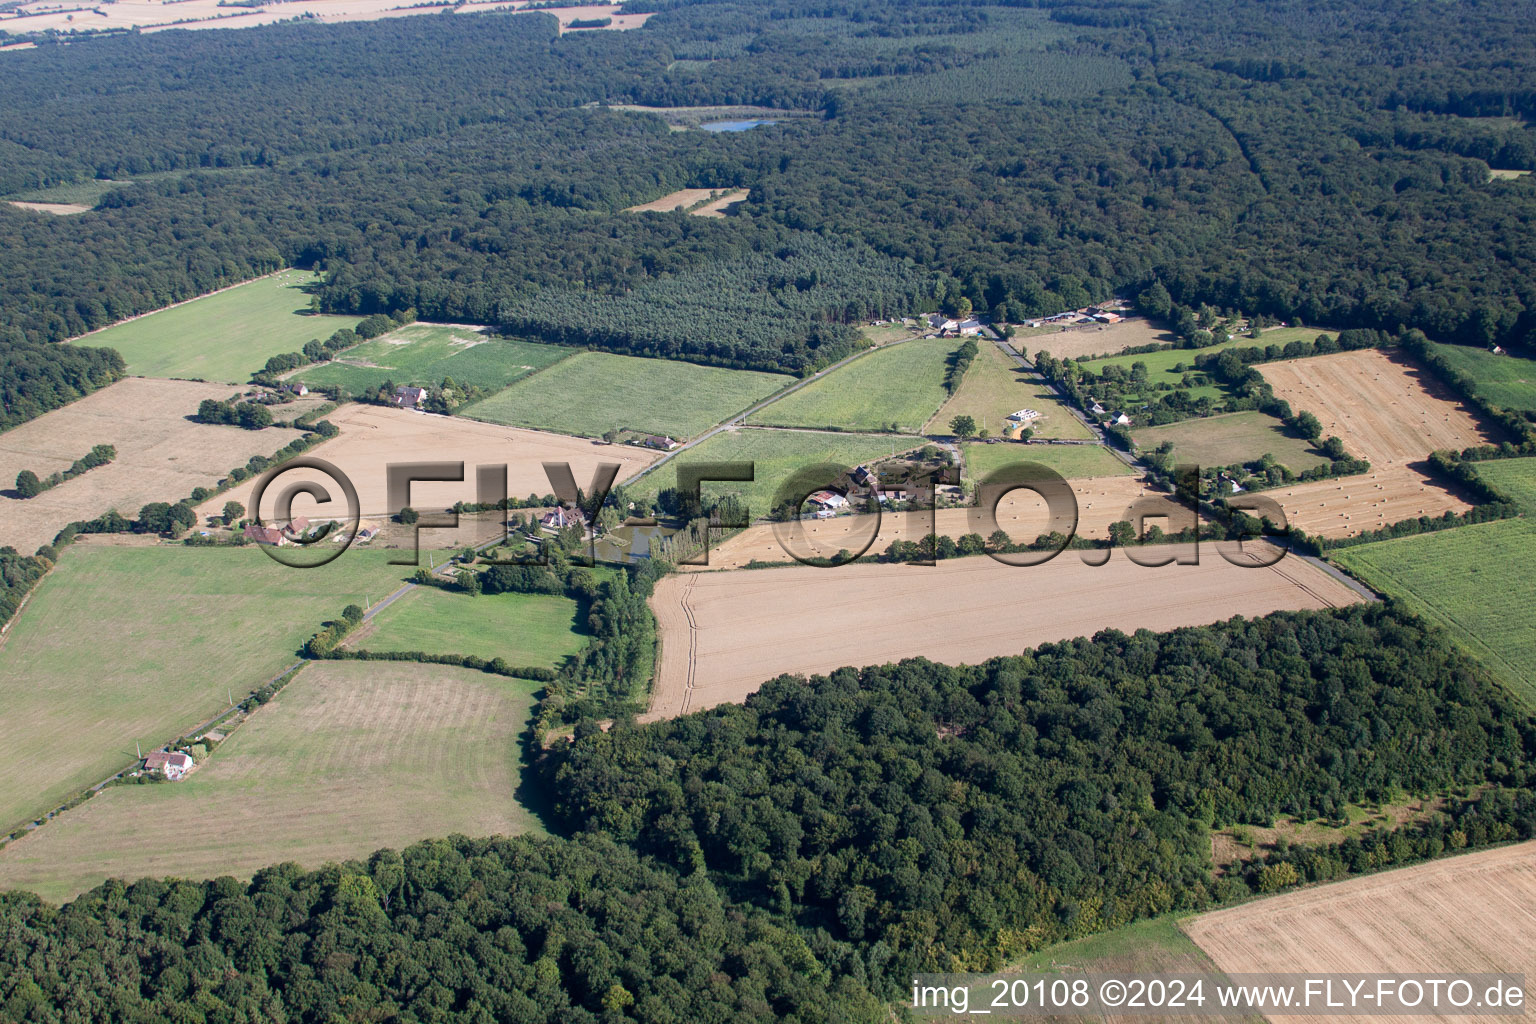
172,764
264,535
297,528
659,442
969,327
297,388
1119,419
410,397
862,476
559,518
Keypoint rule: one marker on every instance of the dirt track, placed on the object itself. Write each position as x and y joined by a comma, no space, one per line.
1471,913
723,634
1383,408
1100,501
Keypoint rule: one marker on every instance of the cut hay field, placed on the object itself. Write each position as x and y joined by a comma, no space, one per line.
1463,914
724,633
1475,581
126,645
524,629
1073,461
1385,409
1023,515
1505,380
424,354
719,206
161,455
898,387
682,199
373,436
995,387
349,758
777,455
1347,506
225,336
1514,477
1084,342
56,209
1231,438
594,392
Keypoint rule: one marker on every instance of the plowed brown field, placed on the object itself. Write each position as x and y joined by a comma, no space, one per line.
723,634
1475,913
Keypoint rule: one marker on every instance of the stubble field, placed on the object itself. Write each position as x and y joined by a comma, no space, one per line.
1462,914
723,634
350,757
1347,506
161,455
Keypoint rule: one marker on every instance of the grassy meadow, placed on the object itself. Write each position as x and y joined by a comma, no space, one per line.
594,392
1231,438
350,757
224,337
132,645
525,629
777,454
1514,477
1074,462
423,353
1473,580
1505,380
994,387
895,388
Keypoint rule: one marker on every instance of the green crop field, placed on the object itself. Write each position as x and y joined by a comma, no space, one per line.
994,387
1505,380
1286,335
226,336
1514,477
1231,438
525,629
350,757
1473,580
1075,462
895,388
126,645
426,353
777,454
594,392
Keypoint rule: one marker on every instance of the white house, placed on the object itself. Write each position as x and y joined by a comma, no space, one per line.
298,388
1118,420
172,764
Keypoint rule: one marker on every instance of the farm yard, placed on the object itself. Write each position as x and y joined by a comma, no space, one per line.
225,336
594,392
1021,514
524,629
896,388
777,455
350,757
1385,410
89,659
1462,914
1073,461
424,354
724,633
994,388
1473,580
374,436
1346,506
1229,438
161,455
1505,380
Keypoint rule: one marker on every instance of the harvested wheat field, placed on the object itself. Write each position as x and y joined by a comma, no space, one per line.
719,206
161,455
1350,505
349,757
374,436
723,634
1472,913
1094,339
57,209
1022,514
1385,409
682,199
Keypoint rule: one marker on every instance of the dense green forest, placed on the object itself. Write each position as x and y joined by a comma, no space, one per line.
1322,161
794,859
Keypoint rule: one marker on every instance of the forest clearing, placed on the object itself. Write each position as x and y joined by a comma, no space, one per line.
723,634
161,455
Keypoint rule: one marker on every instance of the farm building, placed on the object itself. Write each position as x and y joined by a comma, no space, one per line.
297,388
1119,419
1016,423
659,442
264,535
969,327
826,501
172,764
407,397
558,519
297,528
